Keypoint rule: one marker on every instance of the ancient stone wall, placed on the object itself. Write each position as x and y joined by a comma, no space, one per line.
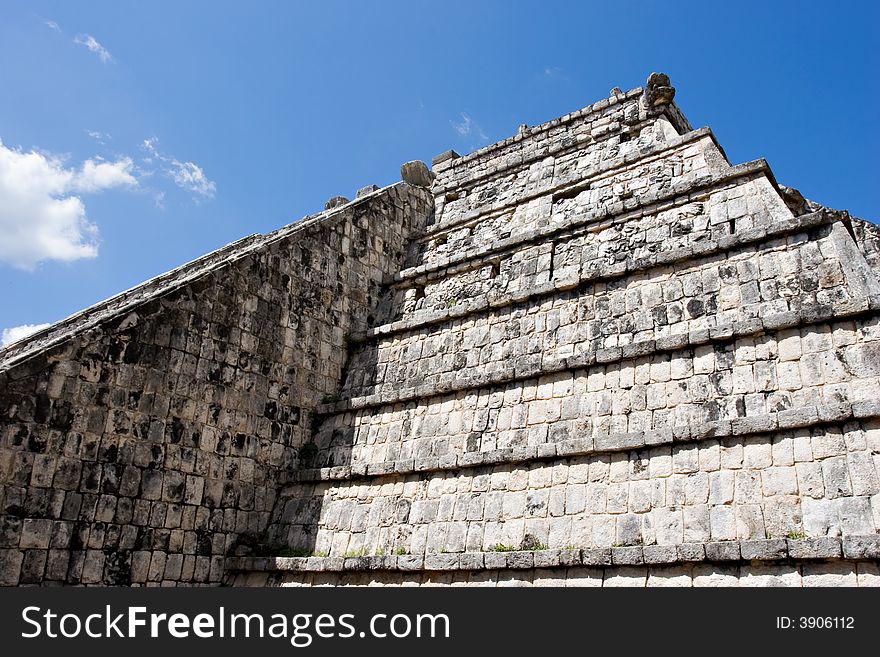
144,439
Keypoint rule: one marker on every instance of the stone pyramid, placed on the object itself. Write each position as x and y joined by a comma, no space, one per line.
594,354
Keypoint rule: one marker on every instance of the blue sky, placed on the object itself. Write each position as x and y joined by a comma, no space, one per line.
137,136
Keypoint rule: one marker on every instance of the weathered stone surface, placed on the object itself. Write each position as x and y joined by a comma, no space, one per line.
691,552
862,547
416,173
826,547
764,550
335,202
445,156
658,91
835,573
596,557
441,562
594,353
367,189
180,458
10,567
660,554
723,551
627,555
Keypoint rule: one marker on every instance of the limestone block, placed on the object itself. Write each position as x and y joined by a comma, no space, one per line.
416,173
10,566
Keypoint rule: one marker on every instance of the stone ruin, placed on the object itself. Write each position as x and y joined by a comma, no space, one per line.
595,353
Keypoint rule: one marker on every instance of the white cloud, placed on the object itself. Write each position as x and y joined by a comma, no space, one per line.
92,44
41,218
97,175
16,333
188,176
52,25
468,127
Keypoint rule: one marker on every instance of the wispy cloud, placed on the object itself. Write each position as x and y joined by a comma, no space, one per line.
100,137
42,216
467,127
150,144
552,71
92,44
86,40
16,333
189,176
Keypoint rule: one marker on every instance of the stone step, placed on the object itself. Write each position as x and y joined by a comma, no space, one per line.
851,548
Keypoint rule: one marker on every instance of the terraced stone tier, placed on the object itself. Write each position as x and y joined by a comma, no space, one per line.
816,481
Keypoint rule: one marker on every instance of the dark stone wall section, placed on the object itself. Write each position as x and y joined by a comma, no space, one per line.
144,448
